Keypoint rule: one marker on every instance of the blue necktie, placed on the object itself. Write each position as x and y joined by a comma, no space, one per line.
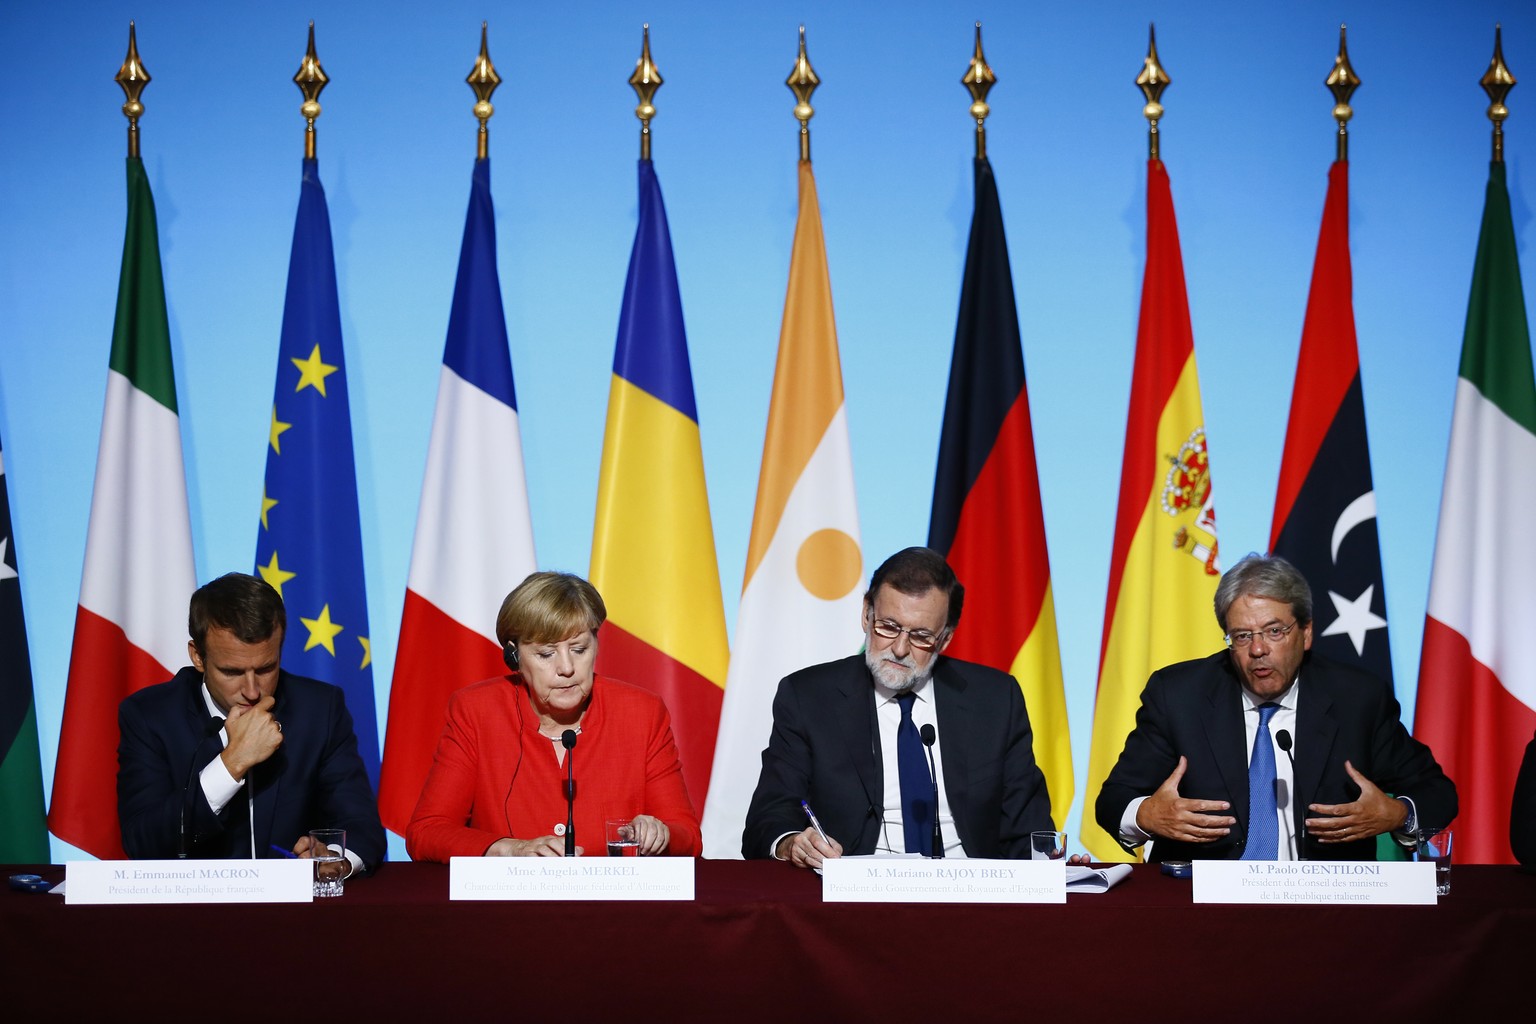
1263,826
916,784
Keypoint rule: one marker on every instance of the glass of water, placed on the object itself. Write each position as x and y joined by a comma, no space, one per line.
1047,845
621,838
328,846
1435,845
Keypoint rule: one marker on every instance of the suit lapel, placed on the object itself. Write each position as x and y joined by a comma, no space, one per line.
1316,728
953,711
267,780
855,712
1222,718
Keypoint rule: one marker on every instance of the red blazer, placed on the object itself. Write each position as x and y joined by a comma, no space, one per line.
494,776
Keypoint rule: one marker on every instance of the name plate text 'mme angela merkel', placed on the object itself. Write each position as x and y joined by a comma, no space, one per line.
570,878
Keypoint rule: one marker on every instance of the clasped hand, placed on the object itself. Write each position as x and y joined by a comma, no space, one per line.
254,735
651,835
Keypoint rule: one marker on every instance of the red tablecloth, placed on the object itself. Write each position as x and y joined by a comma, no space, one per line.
758,943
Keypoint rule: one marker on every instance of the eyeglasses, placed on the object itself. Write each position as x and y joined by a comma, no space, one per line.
919,638
1244,637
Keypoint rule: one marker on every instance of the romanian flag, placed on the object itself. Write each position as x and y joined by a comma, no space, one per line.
309,546
23,829
801,595
131,625
1162,570
653,547
1477,674
474,538
1325,506
987,518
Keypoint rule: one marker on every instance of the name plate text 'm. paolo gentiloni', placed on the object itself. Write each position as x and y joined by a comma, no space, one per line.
570,878
918,880
189,881
1279,883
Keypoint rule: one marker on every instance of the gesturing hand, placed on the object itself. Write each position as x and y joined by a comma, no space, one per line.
1171,816
1371,815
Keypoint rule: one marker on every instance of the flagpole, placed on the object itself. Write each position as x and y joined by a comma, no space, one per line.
979,79
1152,81
133,78
802,81
311,79
645,81
1496,82
1342,82
484,80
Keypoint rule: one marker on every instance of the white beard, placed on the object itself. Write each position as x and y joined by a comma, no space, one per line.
898,674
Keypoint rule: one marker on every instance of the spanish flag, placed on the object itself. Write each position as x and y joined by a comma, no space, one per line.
801,595
1163,570
987,518
653,547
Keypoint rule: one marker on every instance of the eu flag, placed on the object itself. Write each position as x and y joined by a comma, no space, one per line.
309,546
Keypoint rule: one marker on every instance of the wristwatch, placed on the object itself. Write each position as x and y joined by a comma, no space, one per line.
1410,825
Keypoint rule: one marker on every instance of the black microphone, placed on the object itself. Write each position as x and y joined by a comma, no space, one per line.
930,736
210,728
1283,741
568,741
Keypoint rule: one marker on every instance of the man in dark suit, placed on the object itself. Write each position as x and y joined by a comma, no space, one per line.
234,741
1202,724
838,744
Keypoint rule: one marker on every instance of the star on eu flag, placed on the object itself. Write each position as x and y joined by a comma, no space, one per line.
322,631
312,372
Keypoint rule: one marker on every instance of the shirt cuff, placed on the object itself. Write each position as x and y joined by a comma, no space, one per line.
1406,836
773,847
1130,832
219,787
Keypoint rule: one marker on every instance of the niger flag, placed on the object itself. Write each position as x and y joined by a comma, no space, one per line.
653,546
801,595
986,498
1162,570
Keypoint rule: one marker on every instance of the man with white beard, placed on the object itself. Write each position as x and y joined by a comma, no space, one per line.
849,738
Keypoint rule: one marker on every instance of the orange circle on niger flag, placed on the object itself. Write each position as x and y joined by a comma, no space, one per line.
828,564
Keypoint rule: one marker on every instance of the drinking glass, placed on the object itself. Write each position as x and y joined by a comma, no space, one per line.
1047,845
621,838
331,864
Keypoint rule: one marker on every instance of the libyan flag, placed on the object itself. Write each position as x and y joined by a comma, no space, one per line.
1477,673
23,831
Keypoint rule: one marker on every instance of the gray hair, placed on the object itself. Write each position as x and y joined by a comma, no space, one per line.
1266,576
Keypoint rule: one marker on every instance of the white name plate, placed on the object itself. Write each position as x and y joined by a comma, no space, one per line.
920,880
189,881
574,878
1314,881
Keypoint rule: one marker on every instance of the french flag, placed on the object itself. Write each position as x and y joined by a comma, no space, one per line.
474,539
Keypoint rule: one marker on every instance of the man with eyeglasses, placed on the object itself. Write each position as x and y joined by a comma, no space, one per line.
850,740
1265,751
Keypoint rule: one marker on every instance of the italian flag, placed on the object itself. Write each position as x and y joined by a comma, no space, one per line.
131,626
801,596
1477,674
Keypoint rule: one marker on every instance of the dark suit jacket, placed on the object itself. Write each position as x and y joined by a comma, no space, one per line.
315,779
1522,813
825,749
1195,708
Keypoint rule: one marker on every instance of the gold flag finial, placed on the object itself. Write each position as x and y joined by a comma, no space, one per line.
979,80
802,81
310,78
133,78
645,81
1152,81
484,80
1496,83
1342,82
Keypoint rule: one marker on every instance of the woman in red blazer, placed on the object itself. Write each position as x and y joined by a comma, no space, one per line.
496,787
